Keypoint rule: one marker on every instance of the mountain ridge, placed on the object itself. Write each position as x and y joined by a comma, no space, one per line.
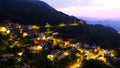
111,22
32,12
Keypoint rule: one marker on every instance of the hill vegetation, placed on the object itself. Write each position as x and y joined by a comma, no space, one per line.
27,46
35,35
32,12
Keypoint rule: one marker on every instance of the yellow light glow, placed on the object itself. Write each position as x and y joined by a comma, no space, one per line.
35,27
78,54
50,57
20,53
67,42
11,46
113,53
92,56
19,26
19,59
62,25
8,31
72,45
81,50
17,43
74,65
74,24
37,48
102,58
44,38
3,29
66,53
47,25
25,34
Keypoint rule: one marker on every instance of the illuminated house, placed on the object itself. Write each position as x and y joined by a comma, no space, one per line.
83,21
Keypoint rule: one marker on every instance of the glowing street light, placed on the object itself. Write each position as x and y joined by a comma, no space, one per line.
3,29
50,57
8,31
20,53
25,34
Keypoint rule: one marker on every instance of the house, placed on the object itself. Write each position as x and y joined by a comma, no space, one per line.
83,21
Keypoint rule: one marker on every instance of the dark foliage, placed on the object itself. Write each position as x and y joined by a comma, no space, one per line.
104,36
94,64
32,12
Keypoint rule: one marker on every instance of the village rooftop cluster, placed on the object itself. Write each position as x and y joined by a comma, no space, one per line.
30,38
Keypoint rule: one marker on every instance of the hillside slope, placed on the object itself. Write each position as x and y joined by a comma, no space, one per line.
32,12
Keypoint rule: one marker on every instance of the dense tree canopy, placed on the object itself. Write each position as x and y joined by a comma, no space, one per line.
102,35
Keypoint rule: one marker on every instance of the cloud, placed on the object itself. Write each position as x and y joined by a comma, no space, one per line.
96,8
89,8
67,3
107,3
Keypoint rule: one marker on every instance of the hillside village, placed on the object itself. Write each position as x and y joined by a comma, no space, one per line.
27,47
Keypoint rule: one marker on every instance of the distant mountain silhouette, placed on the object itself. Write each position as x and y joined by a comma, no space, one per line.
32,12
114,23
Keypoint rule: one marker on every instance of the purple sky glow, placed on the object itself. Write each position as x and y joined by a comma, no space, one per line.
88,8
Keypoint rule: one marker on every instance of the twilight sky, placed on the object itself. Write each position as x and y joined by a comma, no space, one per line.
88,8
